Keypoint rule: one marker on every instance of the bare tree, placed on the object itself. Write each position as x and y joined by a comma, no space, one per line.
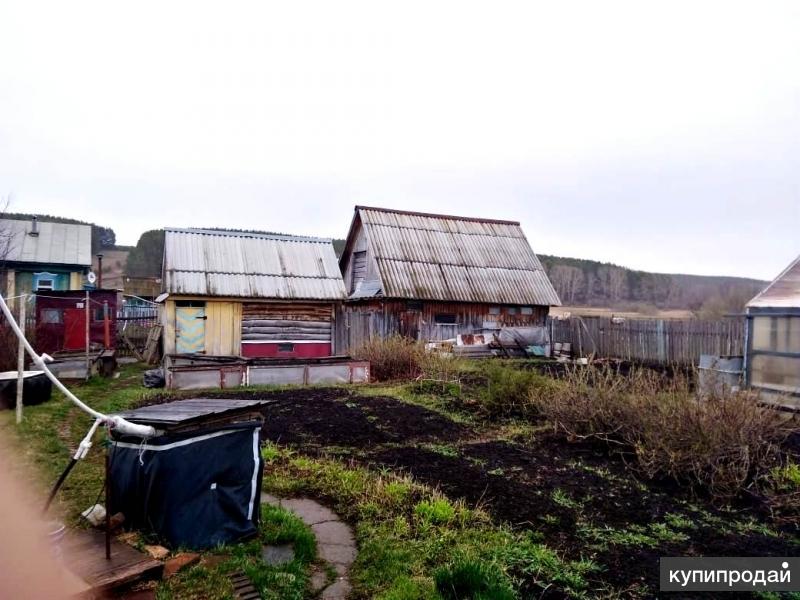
6,237
613,281
568,282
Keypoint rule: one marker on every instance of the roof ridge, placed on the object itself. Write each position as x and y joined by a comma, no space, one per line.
438,216
266,236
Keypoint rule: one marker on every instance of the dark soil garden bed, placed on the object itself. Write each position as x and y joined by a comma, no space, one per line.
574,494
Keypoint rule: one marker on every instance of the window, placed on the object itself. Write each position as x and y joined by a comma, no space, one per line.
776,334
526,310
359,269
494,310
512,310
413,305
779,372
52,316
285,347
45,281
445,318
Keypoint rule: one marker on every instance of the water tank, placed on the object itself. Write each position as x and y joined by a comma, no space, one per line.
719,374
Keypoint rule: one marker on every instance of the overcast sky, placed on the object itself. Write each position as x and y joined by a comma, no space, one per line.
661,136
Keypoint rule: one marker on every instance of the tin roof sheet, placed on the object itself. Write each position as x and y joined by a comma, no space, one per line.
783,292
221,263
55,243
437,257
181,412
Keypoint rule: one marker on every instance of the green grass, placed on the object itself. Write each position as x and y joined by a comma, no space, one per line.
408,534
563,499
283,582
435,402
50,433
600,537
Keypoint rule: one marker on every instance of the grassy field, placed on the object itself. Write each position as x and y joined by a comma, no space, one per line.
595,311
454,491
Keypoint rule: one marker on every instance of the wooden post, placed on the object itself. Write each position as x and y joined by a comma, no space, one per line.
106,326
88,316
108,504
20,360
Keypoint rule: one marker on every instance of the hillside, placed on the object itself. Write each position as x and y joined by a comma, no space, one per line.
579,282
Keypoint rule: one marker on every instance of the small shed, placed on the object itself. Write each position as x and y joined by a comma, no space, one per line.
772,354
433,277
253,295
197,484
61,320
43,256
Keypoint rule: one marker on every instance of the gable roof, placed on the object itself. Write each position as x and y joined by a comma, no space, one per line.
55,243
783,292
448,258
248,265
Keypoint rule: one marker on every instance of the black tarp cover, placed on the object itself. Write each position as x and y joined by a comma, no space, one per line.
195,490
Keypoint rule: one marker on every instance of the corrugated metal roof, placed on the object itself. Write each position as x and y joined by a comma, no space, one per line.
783,292
436,257
220,263
56,243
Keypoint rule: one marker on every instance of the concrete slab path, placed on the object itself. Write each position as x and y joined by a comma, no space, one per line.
335,542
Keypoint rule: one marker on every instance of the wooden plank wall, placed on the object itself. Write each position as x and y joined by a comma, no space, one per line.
358,322
271,322
657,340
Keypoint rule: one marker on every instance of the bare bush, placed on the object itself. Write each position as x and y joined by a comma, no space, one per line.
441,367
514,392
391,358
8,347
724,441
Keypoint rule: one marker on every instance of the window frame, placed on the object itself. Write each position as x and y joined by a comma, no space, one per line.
757,353
445,319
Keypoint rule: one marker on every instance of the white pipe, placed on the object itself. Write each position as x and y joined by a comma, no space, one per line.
113,422
86,443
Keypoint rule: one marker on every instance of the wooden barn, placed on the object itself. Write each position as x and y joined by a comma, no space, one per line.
249,295
433,277
772,353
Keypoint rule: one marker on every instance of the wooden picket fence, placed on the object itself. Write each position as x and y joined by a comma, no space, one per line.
669,341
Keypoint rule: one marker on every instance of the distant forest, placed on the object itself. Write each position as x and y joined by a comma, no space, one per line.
579,282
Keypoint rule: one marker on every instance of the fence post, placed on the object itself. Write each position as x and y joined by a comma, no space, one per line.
20,360
88,316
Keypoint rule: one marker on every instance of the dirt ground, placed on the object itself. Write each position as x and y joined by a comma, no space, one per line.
585,503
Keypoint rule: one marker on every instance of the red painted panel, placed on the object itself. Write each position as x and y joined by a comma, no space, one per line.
74,329
51,337
272,350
